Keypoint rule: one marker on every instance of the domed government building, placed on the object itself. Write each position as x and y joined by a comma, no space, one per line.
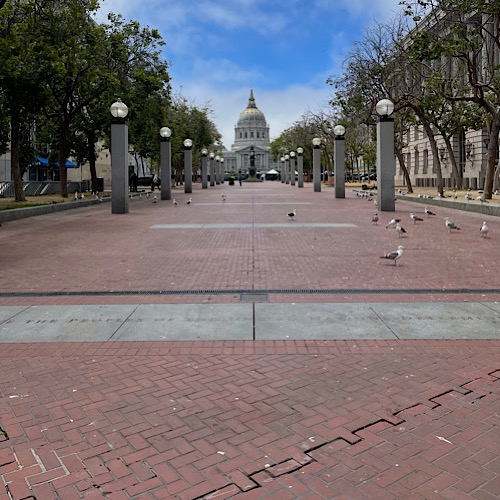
251,133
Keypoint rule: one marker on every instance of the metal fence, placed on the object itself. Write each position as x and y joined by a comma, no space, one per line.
38,188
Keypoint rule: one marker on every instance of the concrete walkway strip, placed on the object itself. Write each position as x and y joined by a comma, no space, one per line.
272,321
258,225
188,322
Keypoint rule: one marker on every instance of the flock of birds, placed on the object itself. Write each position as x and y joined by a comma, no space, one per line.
396,223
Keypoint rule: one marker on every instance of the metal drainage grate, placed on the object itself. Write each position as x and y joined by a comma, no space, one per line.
254,297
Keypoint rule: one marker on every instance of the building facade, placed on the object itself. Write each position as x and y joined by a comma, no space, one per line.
251,131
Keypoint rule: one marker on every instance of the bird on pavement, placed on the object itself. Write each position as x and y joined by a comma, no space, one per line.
415,218
292,214
428,212
392,223
147,195
399,229
175,203
82,196
394,255
481,199
468,196
76,196
188,202
154,199
450,225
223,197
375,218
484,230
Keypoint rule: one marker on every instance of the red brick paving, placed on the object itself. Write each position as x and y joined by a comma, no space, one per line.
248,420
329,419
92,249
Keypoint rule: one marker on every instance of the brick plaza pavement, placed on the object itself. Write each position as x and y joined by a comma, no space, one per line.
297,419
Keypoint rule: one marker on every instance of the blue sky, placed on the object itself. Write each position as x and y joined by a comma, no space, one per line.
283,49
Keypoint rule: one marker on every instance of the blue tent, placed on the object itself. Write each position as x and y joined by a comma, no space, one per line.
45,162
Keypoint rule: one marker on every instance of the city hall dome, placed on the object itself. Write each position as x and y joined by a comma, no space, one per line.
251,115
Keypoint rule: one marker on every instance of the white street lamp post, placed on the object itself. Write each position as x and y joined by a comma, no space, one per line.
300,165
119,158
339,161
212,169
204,173
386,166
317,164
292,168
188,166
165,163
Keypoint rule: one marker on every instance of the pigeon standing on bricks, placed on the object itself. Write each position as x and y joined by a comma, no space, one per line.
450,225
415,218
428,212
375,218
292,214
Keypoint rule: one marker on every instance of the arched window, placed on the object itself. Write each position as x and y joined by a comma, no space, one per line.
246,135
251,134
262,135
241,135
258,135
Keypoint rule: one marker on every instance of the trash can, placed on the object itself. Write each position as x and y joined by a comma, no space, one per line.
231,181
100,184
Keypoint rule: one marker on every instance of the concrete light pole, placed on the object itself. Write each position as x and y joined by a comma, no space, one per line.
300,161
165,164
386,166
283,172
339,161
222,170
188,166
317,164
292,168
287,169
217,169
212,169
204,173
119,158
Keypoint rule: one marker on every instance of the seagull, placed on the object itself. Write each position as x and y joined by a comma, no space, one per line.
415,218
147,194
223,197
393,222
82,196
188,202
481,199
450,225
292,214
394,255
375,218
175,203
428,212
468,196
140,195
399,229
484,230
154,199
76,196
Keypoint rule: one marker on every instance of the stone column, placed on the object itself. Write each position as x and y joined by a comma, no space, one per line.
339,159
300,161
292,169
188,168
287,169
166,169
386,166
212,170
119,167
317,168
283,172
204,173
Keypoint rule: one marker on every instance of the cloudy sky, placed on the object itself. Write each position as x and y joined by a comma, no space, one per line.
283,49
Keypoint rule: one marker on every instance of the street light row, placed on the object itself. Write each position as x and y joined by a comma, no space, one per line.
385,160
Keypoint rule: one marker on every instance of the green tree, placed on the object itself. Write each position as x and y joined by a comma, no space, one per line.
467,35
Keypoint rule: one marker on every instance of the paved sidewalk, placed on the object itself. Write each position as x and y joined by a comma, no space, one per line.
219,350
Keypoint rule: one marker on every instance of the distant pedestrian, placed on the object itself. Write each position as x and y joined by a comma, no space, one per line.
134,182
155,182
240,177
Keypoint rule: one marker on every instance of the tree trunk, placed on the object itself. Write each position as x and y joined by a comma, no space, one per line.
492,157
63,174
402,163
91,155
454,168
435,154
15,168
